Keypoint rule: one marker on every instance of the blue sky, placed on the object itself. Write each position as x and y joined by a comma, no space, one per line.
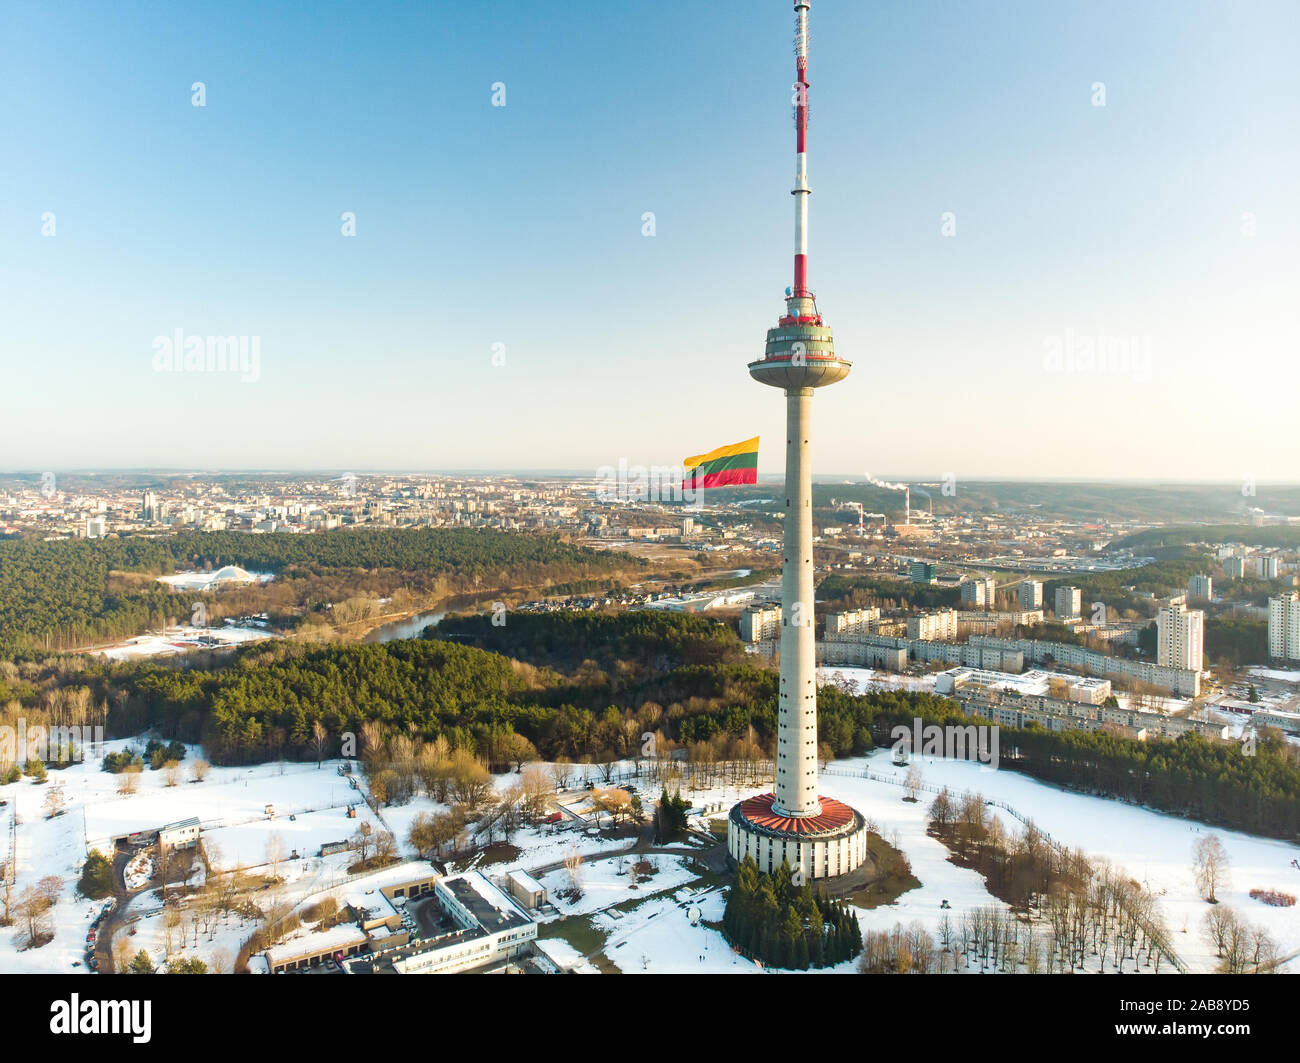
522,225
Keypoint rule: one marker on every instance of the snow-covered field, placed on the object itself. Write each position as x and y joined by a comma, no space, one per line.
230,803
228,797
1280,674
309,806
862,680
1154,848
607,882
184,640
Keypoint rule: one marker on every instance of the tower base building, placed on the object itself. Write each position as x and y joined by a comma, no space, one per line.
824,846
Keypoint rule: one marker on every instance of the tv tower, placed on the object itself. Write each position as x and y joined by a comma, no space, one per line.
817,836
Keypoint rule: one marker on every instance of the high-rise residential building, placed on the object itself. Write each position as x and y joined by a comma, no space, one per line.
1029,594
1200,586
980,593
1069,603
1180,636
96,528
1284,626
148,506
1234,567
1266,566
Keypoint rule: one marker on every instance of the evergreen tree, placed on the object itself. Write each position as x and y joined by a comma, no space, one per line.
141,964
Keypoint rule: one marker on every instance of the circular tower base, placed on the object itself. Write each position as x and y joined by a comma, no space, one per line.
825,846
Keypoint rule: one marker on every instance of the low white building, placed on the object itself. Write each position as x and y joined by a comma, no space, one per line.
491,928
1081,688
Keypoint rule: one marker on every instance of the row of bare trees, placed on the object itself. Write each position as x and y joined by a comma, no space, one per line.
1091,914
1240,947
401,767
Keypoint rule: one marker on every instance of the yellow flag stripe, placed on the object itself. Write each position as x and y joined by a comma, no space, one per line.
749,446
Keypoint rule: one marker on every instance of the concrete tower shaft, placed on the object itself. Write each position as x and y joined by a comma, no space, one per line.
796,760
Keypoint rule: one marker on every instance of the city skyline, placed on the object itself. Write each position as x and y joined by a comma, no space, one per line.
500,309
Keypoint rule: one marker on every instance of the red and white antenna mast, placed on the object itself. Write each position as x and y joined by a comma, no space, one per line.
801,191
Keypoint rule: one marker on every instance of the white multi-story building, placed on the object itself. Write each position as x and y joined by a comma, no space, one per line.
1184,682
1284,626
96,528
849,622
1180,636
759,625
987,621
1235,567
981,593
1266,566
1029,594
1069,602
940,624
1200,586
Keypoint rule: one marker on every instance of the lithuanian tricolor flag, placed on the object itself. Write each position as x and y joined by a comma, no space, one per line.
733,464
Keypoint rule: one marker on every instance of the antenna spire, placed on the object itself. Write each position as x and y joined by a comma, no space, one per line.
801,191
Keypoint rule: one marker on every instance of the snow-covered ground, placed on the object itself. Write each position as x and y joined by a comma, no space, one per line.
1154,848
605,883
228,797
862,680
249,845
183,639
657,937
1280,674
230,803
309,807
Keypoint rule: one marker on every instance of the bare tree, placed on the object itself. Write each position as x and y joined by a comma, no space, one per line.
275,852
35,904
199,769
1211,866
319,736
538,786
573,865
54,801
912,783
